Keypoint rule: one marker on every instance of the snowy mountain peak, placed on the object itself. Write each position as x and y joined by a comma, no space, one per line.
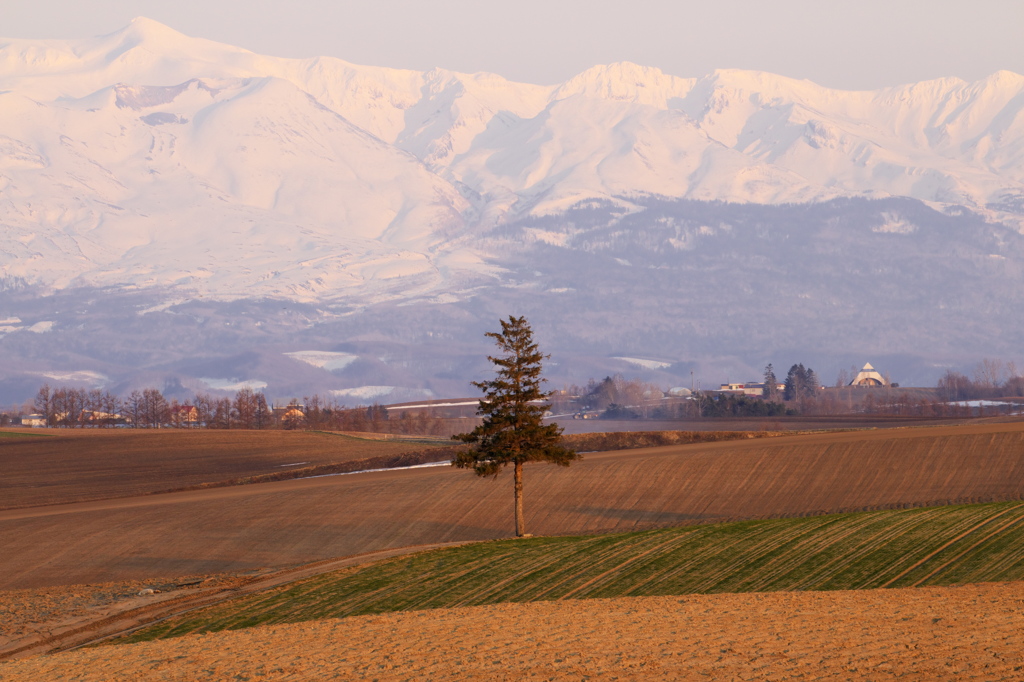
1004,79
149,32
625,81
150,36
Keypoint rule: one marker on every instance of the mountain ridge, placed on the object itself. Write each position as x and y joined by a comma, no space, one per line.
178,176
491,151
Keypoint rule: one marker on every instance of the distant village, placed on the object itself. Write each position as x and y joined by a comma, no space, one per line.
995,387
867,377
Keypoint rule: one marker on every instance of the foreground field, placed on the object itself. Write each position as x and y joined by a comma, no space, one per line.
289,522
66,465
971,632
38,621
906,548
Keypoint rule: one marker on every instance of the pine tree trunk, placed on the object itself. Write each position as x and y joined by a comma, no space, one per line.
520,521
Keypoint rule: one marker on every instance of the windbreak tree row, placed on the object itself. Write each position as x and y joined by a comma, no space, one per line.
68,407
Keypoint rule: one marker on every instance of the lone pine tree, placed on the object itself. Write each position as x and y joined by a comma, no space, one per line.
513,409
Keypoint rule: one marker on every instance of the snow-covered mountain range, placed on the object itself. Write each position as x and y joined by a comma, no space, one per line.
149,162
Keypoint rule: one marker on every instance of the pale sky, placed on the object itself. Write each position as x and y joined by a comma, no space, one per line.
859,44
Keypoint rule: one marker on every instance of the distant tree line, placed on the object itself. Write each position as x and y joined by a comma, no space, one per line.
69,407
731,405
613,397
990,379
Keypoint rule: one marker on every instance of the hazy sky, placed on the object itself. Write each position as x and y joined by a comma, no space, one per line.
843,44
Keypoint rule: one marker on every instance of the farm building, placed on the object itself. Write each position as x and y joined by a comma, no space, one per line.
185,415
754,388
868,377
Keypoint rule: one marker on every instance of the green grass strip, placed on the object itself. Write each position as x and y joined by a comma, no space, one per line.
894,548
25,434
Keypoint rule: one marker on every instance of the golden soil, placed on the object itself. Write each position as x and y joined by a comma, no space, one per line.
33,612
40,612
290,522
34,621
972,632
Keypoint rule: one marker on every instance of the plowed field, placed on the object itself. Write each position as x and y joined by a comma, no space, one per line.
929,634
60,466
274,524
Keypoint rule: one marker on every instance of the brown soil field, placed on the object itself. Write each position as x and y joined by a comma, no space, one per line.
790,423
972,632
58,467
67,465
290,522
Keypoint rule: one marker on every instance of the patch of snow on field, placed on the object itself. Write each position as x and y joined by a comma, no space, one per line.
323,359
233,384
445,463
980,403
646,364
41,327
426,405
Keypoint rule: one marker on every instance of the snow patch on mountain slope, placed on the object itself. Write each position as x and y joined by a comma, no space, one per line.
645,364
41,327
331,361
90,378
233,384
362,395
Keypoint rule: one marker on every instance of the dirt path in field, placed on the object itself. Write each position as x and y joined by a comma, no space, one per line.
972,632
119,614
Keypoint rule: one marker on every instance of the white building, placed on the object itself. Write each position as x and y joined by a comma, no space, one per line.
869,377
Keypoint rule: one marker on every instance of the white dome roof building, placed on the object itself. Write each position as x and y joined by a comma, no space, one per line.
868,376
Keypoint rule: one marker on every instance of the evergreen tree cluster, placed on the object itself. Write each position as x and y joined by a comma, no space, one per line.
741,406
770,392
801,382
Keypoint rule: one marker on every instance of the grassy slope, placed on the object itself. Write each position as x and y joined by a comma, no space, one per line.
895,548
